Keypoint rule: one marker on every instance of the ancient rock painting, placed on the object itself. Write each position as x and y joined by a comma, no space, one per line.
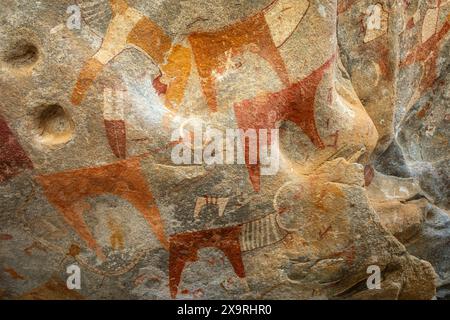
67,191
116,134
253,33
371,64
232,241
261,34
117,234
288,218
375,27
115,126
184,248
13,158
321,223
376,22
430,22
128,26
427,54
206,200
295,103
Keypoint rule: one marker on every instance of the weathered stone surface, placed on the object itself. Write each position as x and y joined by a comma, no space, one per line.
431,244
357,96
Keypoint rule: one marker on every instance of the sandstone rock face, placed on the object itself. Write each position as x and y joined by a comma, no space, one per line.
118,161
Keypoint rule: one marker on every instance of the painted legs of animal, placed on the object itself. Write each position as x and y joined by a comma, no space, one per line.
184,248
67,192
173,80
86,78
13,158
140,196
265,49
73,214
295,103
142,201
176,72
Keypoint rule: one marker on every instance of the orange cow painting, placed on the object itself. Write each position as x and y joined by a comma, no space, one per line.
67,192
262,34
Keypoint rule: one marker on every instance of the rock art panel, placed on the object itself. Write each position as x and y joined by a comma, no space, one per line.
123,179
349,98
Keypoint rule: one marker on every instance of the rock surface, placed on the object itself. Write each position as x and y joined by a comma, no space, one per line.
111,157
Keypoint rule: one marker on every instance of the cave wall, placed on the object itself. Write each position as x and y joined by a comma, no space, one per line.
100,98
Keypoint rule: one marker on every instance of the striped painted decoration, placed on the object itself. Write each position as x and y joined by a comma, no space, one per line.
260,233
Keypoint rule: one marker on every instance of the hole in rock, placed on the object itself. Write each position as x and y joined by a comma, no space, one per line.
55,125
20,53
